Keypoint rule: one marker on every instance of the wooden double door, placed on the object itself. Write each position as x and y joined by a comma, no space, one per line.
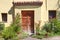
28,21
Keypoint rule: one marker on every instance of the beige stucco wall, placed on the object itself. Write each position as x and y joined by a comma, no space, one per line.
52,4
40,12
46,6
44,14
5,7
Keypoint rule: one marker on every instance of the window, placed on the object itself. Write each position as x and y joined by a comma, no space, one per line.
4,17
52,14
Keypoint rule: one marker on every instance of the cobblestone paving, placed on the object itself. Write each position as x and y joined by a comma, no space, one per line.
51,38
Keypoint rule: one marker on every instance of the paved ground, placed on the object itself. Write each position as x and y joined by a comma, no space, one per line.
29,38
51,38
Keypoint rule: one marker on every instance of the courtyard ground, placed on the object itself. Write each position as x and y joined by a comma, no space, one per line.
51,38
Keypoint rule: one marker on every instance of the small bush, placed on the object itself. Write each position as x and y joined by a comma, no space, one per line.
16,25
23,35
11,31
52,27
40,35
15,28
37,27
1,26
8,33
47,27
51,34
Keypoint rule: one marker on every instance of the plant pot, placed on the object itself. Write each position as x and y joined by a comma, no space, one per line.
18,32
46,35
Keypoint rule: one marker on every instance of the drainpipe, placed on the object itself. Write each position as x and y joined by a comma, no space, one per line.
58,4
58,10
46,4
13,14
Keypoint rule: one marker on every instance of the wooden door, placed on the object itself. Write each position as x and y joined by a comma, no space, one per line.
28,21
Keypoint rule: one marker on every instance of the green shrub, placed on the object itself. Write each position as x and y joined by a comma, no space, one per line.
56,25
15,28
40,35
47,27
1,26
42,32
51,34
8,33
37,27
16,25
53,27
23,35
11,31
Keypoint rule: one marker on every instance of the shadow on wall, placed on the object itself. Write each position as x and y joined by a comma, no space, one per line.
26,7
11,12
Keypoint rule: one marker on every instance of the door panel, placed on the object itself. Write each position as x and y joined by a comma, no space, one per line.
28,21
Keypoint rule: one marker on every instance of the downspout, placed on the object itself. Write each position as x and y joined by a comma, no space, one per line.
58,11
46,4
58,5
13,14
